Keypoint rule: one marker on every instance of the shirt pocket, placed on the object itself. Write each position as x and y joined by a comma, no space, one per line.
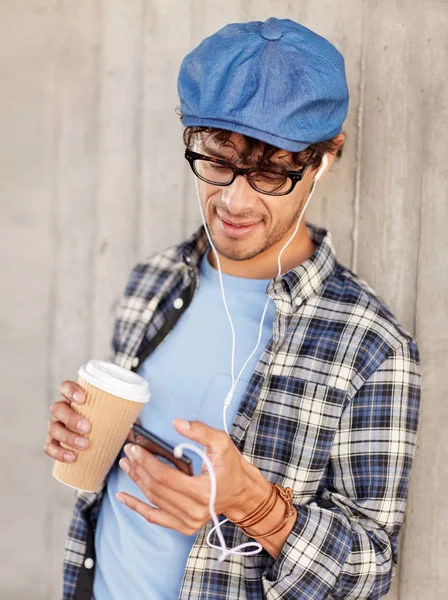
293,429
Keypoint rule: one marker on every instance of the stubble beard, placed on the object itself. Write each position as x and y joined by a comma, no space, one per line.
236,253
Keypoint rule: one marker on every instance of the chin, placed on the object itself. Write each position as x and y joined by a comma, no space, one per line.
237,250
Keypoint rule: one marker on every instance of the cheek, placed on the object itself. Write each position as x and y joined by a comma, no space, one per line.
277,212
208,194
284,215
210,198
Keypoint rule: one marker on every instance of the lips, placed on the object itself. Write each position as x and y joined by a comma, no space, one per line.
235,224
237,230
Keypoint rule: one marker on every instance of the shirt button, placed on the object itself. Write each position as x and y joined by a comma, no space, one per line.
88,563
298,301
135,361
178,303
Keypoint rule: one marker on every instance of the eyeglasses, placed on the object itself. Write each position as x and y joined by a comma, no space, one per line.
218,172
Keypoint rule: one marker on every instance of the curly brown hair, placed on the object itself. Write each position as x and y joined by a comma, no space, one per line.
311,156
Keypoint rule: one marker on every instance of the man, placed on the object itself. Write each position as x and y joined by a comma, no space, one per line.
325,404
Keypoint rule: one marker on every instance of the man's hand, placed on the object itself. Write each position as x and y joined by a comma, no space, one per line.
67,426
182,500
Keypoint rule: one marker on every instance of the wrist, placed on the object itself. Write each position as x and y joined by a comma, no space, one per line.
254,493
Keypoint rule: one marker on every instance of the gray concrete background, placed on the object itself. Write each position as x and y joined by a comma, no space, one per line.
92,177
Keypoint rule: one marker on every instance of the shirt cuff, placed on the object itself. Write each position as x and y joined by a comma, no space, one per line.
312,556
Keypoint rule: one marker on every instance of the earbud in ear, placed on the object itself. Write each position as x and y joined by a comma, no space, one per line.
323,166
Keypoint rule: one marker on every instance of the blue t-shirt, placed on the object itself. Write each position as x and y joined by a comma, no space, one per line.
189,377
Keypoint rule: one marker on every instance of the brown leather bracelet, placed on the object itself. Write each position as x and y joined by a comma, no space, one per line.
260,512
286,495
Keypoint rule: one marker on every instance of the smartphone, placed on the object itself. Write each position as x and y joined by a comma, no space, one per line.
155,445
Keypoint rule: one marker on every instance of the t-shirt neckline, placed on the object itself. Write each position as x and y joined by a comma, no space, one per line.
231,281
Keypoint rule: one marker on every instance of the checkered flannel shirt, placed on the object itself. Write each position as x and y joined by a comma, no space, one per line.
331,410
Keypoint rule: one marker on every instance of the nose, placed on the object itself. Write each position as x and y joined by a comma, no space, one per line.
238,196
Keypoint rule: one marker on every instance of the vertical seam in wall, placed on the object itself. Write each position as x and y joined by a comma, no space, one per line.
50,345
356,199
402,553
97,166
140,132
420,234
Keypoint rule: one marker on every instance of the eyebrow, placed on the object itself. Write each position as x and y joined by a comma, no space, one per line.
215,153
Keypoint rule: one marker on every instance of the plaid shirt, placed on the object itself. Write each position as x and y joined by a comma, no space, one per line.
331,410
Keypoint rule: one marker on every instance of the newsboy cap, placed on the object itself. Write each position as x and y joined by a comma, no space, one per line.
275,81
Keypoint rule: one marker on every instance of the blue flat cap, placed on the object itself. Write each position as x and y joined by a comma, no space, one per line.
275,81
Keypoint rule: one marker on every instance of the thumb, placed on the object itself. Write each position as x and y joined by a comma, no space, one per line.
198,432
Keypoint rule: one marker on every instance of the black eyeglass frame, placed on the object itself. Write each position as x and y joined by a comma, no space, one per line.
191,156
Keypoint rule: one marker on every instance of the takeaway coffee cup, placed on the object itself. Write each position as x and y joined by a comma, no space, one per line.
114,399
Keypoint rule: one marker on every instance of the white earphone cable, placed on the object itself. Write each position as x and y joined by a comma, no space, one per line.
178,451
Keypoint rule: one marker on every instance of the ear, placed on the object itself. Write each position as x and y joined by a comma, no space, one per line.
339,141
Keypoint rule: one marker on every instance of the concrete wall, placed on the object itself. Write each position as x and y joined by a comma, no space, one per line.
92,176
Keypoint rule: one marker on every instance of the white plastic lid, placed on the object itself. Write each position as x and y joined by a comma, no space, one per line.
115,380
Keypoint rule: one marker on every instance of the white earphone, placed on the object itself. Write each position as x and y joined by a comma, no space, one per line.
323,166
178,451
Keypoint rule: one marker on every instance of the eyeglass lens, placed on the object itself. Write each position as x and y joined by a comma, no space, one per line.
264,181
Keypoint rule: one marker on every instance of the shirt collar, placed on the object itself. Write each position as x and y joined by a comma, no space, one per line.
296,286
307,280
